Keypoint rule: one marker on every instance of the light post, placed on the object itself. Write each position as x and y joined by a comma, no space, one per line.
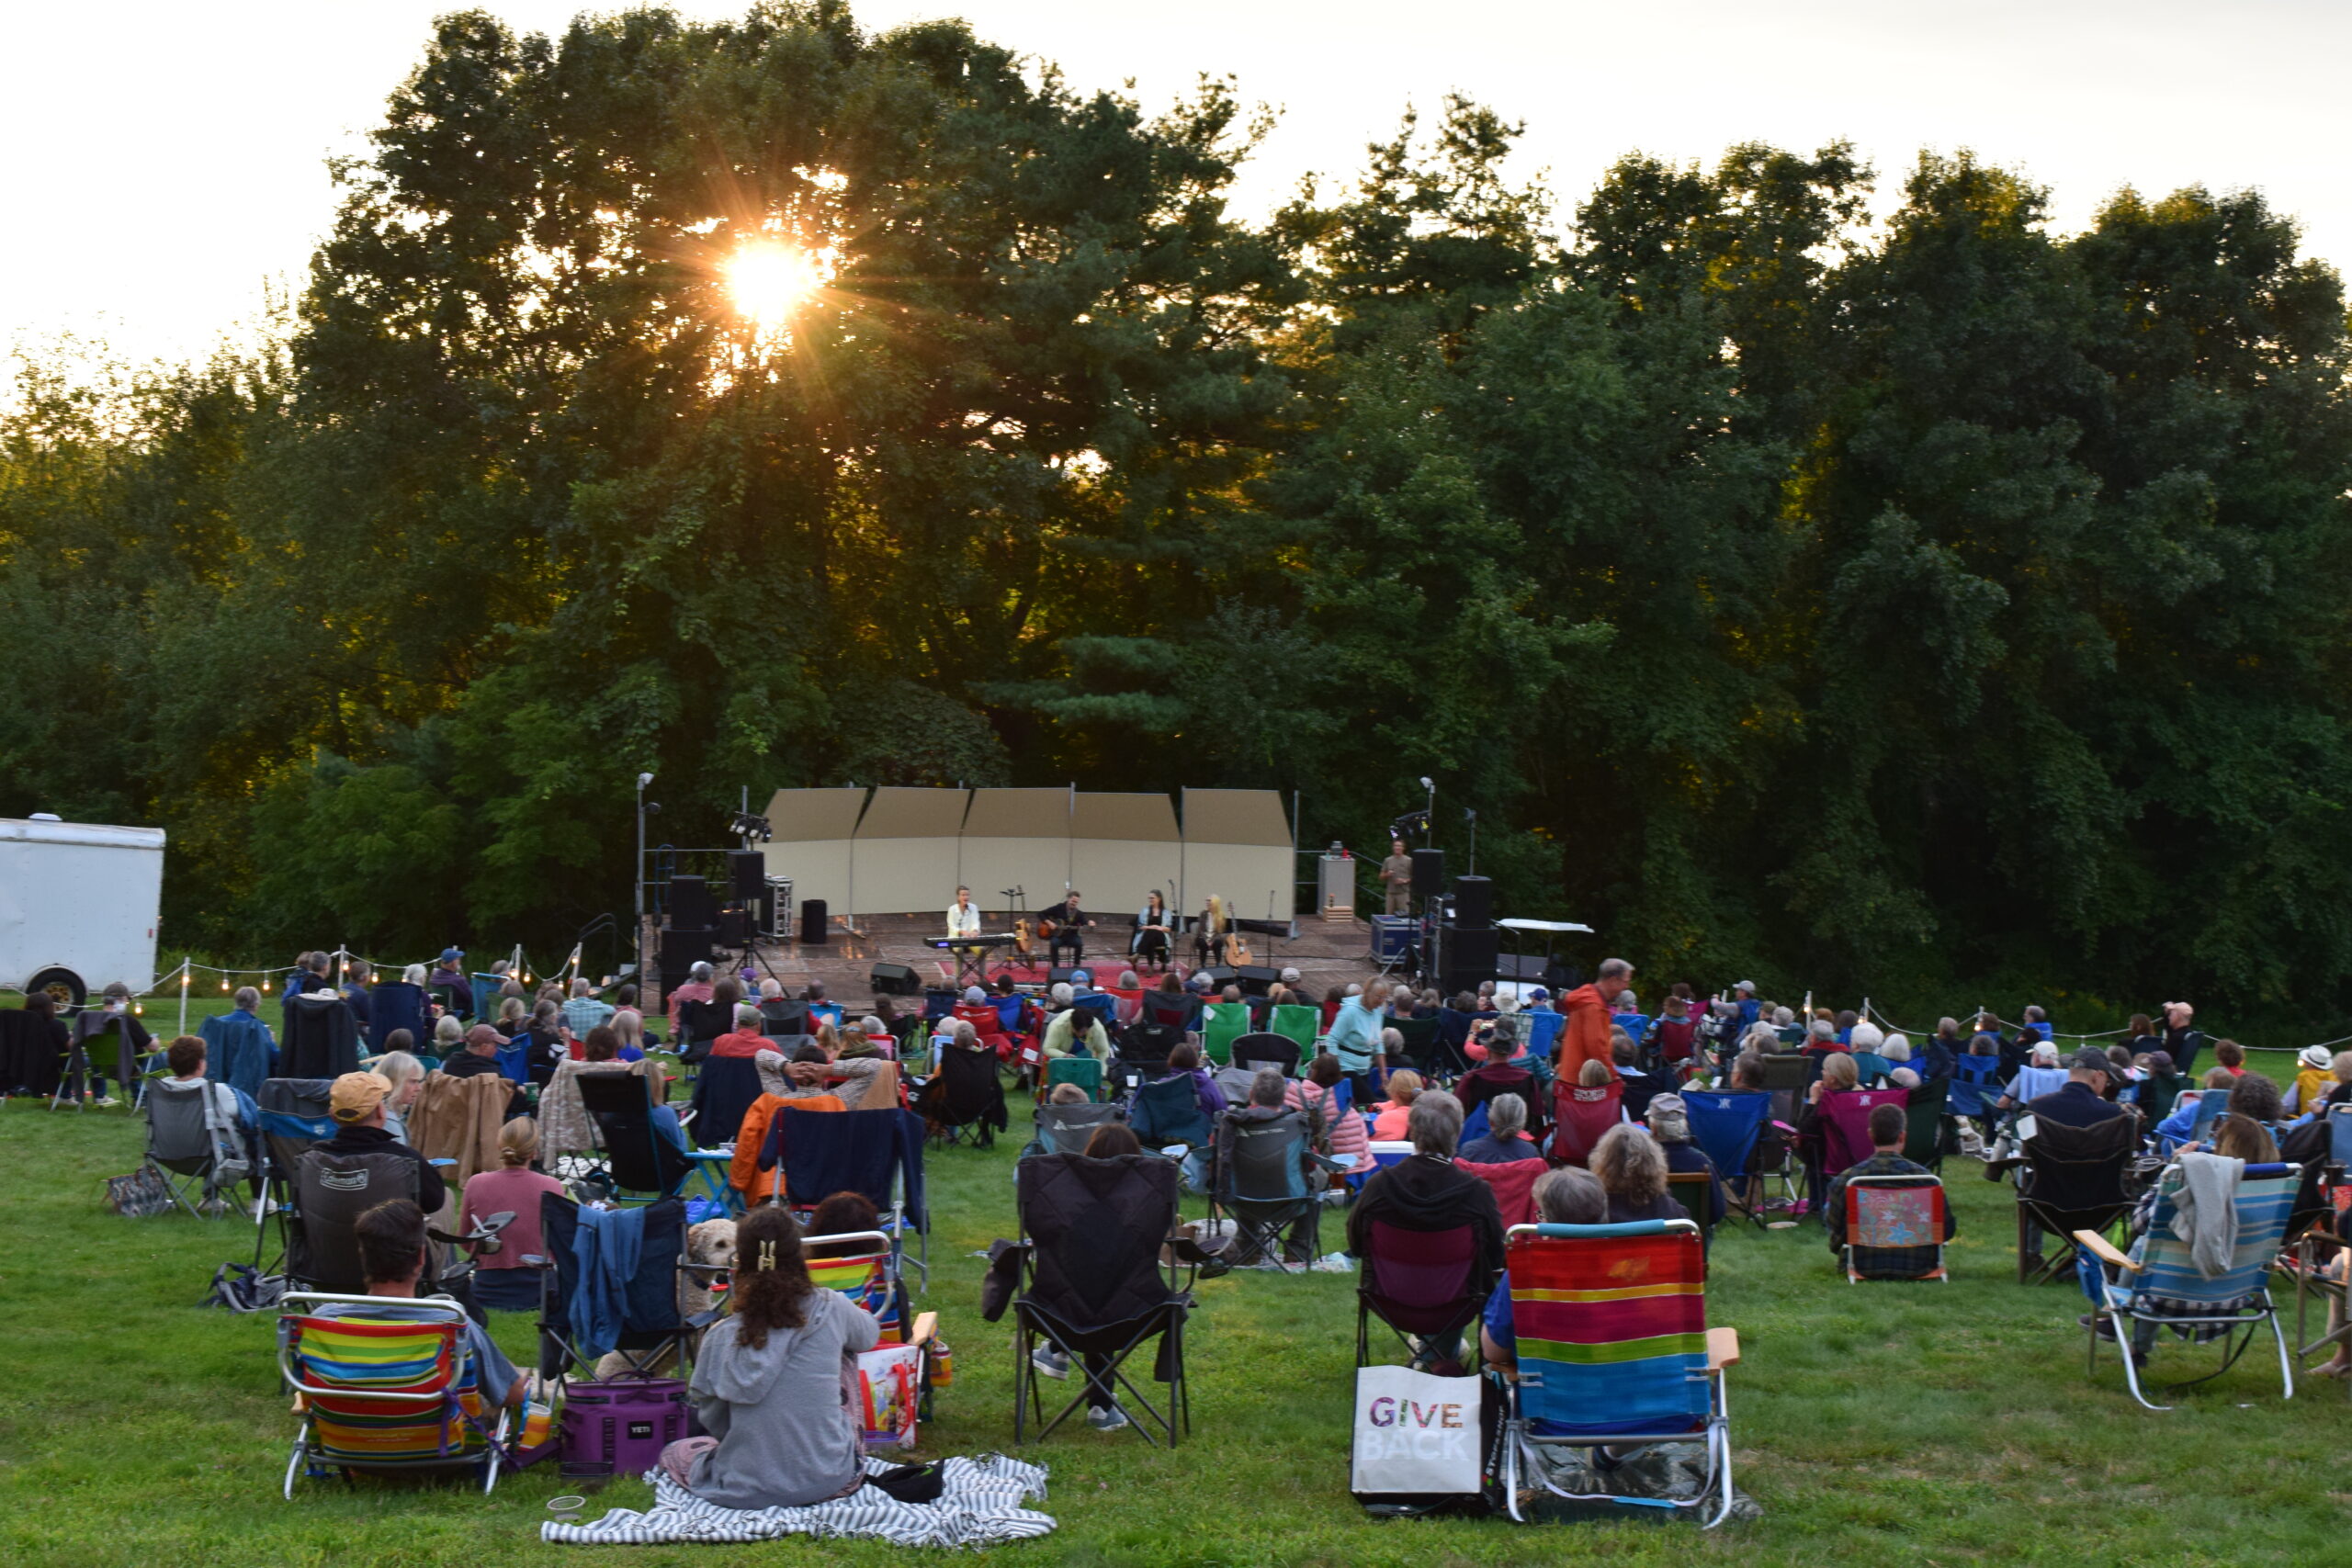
642,807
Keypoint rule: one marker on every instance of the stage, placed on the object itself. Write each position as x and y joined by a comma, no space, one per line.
1326,954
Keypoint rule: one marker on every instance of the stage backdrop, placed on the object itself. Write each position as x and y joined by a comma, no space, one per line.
1121,847
811,842
906,850
1237,843
1015,838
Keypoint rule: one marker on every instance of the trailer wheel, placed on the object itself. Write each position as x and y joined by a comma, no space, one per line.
62,985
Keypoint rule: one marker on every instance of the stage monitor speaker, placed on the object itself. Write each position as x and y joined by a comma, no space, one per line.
1219,978
682,947
747,875
894,980
1473,900
691,905
1057,975
1257,980
1429,874
734,926
812,921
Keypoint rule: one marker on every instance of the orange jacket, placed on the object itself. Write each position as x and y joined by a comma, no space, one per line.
1586,1037
743,1172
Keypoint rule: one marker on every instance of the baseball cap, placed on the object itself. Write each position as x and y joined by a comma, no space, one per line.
451,954
351,1097
1745,986
2160,1061
2091,1059
1668,1117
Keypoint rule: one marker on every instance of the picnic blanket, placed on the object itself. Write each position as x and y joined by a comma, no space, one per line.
981,1506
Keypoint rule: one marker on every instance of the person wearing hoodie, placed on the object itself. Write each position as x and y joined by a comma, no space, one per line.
1423,1191
769,1384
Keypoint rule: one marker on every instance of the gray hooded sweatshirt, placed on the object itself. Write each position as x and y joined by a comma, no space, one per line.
785,1434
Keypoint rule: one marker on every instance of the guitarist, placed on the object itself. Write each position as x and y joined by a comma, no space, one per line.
1063,925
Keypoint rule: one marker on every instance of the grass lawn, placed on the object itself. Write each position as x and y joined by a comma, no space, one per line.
1874,1424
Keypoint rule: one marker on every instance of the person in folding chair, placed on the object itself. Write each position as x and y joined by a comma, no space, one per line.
198,1136
1425,1191
1888,1129
1617,1355
1269,1177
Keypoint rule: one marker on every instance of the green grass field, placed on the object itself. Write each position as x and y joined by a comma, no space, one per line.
1873,1424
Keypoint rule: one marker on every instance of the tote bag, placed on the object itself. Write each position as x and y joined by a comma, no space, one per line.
1416,1435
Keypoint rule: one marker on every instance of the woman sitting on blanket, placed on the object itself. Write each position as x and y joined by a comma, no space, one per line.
768,1385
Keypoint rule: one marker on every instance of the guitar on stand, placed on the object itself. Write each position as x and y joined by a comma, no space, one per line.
1018,898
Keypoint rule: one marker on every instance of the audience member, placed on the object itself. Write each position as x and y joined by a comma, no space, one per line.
1567,1196
507,1268
1888,1128
356,1103
392,1257
1506,1136
1404,1088
1339,1133
1423,1191
1631,1167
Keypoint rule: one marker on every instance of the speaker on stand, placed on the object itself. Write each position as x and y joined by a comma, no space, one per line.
1429,874
813,922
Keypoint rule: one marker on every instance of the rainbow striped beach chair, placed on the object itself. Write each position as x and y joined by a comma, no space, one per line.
1614,1350
870,1276
2158,1282
385,1394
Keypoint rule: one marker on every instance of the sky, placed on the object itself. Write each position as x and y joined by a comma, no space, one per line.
165,165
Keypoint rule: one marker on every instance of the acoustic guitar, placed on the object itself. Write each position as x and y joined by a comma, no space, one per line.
1021,936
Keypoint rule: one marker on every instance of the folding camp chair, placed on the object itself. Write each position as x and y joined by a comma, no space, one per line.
1298,1024
1222,1023
638,1307
1726,1127
864,1266
1923,1124
237,1051
1067,1129
1260,1185
876,1154
1265,1049
1895,1228
1083,1071
639,1163
1177,1012
1453,1028
1482,1083
724,1088
1543,1030
1845,1124
293,1118
1615,1352
192,1149
965,1095
385,1394
101,1048
1975,1086
330,1191
1169,1111
1102,1005
1579,1116
1426,1049
2163,1286
1093,1233
2073,1182
1422,1284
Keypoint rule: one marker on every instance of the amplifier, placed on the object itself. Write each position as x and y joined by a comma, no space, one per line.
1392,937
894,980
1256,980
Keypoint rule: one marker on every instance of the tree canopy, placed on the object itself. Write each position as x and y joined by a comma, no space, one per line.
1937,598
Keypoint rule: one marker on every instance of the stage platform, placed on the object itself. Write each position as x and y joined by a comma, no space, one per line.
1325,953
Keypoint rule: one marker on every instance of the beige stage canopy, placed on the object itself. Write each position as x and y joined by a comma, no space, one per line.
811,842
1237,843
1121,847
1016,838
906,850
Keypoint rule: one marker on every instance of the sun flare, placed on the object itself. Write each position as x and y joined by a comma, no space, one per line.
769,279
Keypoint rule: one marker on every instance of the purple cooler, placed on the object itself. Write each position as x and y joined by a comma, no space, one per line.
620,1428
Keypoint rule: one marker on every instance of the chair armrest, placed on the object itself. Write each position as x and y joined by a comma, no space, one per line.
1723,1348
2103,1249
926,1326
705,1319
1190,1251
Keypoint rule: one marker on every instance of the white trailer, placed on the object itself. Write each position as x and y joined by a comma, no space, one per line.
79,906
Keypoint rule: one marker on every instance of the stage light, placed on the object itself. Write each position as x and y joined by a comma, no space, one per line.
769,279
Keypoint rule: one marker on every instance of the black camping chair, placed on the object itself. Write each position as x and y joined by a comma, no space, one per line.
194,1155
782,1016
724,1089
1422,1284
330,1192
1277,1051
654,1338
1424,1047
1143,1052
964,1095
2073,1180
699,1023
1093,1288
1066,1129
1261,1184
293,1119
639,1163
29,1053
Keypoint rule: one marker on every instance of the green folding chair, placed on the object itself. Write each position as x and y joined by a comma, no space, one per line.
1083,1071
1223,1024
1300,1023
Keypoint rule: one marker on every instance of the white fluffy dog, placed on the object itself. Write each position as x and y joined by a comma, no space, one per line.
711,1242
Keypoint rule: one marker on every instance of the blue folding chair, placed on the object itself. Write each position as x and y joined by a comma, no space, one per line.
1169,1111
514,1063
2159,1283
2339,1135
1101,1006
1975,1085
1635,1024
1725,1127
1543,1031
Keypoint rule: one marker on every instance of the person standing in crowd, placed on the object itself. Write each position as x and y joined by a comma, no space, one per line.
356,972
1588,1007
1355,1038
1397,878
2181,1038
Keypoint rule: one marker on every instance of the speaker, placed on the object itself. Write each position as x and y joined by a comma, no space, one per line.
1468,954
1219,978
691,904
1473,900
1429,874
747,875
1056,977
683,946
812,921
1257,980
894,980
734,926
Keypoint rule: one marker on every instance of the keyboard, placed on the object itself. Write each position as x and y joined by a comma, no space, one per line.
987,939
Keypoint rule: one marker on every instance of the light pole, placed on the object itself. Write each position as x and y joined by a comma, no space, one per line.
642,780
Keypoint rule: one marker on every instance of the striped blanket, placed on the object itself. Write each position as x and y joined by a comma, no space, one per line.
981,1506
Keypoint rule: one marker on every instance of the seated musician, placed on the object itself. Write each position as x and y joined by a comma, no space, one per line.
1209,937
1069,923
1149,945
963,919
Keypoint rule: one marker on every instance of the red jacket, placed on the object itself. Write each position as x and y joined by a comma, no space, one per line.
1586,1036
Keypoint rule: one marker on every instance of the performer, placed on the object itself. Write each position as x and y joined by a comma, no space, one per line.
1069,922
964,919
1397,877
1208,940
1149,945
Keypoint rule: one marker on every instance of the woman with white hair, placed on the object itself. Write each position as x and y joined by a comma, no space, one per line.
413,976
1506,1138
406,1075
